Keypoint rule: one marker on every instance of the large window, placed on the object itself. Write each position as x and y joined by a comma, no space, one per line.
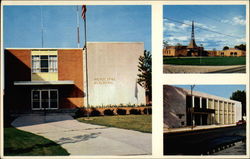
44,63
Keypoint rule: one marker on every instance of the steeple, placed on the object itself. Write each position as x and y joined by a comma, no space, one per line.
192,43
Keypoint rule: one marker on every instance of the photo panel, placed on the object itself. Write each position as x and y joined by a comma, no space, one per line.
207,120
205,38
77,80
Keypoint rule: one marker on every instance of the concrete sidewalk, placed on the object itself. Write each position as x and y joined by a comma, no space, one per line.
85,139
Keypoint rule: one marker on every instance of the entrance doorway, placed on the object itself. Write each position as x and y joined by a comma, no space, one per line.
44,99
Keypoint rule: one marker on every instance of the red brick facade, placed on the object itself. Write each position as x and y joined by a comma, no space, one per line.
17,99
70,67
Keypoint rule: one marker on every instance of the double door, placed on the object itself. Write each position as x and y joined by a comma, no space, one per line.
44,99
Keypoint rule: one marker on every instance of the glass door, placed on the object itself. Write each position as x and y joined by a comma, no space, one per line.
35,99
44,99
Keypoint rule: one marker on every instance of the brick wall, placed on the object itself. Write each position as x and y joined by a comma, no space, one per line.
17,68
70,67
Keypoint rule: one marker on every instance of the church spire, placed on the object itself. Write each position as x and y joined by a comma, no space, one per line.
192,43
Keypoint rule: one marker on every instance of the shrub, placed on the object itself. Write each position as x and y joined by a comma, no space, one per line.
95,113
135,111
121,111
147,111
108,112
79,113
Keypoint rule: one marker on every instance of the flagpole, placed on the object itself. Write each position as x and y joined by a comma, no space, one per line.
86,56
78,30
41,24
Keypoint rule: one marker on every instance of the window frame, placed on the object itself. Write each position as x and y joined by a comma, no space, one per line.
40,98
51,62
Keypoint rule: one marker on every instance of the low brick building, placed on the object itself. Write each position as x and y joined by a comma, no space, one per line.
43,78
56,79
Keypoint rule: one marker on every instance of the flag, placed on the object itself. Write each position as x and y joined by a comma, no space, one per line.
84,9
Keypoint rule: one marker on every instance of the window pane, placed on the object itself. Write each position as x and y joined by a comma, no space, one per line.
36,95
44,70
53,104
44,57
44,63
35,63
45,99
52,63
53,94
36,104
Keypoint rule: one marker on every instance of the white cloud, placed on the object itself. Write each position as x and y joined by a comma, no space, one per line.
180,33
179,38
237,20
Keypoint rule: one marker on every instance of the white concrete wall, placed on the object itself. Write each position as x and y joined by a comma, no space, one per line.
174,103
112,73
238,112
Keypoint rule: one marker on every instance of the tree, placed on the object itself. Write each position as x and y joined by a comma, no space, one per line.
178,44
145,75
241,47
241,97
165,44
225,48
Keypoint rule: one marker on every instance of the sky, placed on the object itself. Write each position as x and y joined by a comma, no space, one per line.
225,19
217,90
22,25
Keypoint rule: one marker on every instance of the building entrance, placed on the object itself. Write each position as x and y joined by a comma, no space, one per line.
44,99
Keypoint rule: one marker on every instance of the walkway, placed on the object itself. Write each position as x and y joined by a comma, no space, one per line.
85,139
204,69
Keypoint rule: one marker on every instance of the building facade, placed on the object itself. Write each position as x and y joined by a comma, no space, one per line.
112,73
193,50
43,78
185,108
58,79
231,52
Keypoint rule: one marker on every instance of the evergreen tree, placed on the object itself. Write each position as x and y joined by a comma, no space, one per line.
241,97
145,75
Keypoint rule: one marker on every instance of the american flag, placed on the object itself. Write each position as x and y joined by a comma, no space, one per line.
84,9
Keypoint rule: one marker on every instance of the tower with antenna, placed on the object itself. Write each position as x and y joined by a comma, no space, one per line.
193,49
192,44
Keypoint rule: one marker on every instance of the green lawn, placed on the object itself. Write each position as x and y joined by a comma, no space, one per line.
21,143
141,123
205,61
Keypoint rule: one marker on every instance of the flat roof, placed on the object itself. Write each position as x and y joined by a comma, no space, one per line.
43,48
70,48
206,95
25,83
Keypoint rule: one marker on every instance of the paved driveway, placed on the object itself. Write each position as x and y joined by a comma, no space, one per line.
85,139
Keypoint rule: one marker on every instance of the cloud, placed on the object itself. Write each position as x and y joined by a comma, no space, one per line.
239,20
181,33
236,20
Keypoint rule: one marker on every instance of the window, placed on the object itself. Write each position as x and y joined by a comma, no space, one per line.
44,63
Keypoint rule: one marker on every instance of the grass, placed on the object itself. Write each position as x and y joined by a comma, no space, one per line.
141,123
21,143
205,61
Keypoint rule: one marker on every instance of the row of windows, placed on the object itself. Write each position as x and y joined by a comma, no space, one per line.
231,53
44,63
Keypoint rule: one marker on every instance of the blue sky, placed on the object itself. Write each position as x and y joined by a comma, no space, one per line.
218,90
226,19
22,25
